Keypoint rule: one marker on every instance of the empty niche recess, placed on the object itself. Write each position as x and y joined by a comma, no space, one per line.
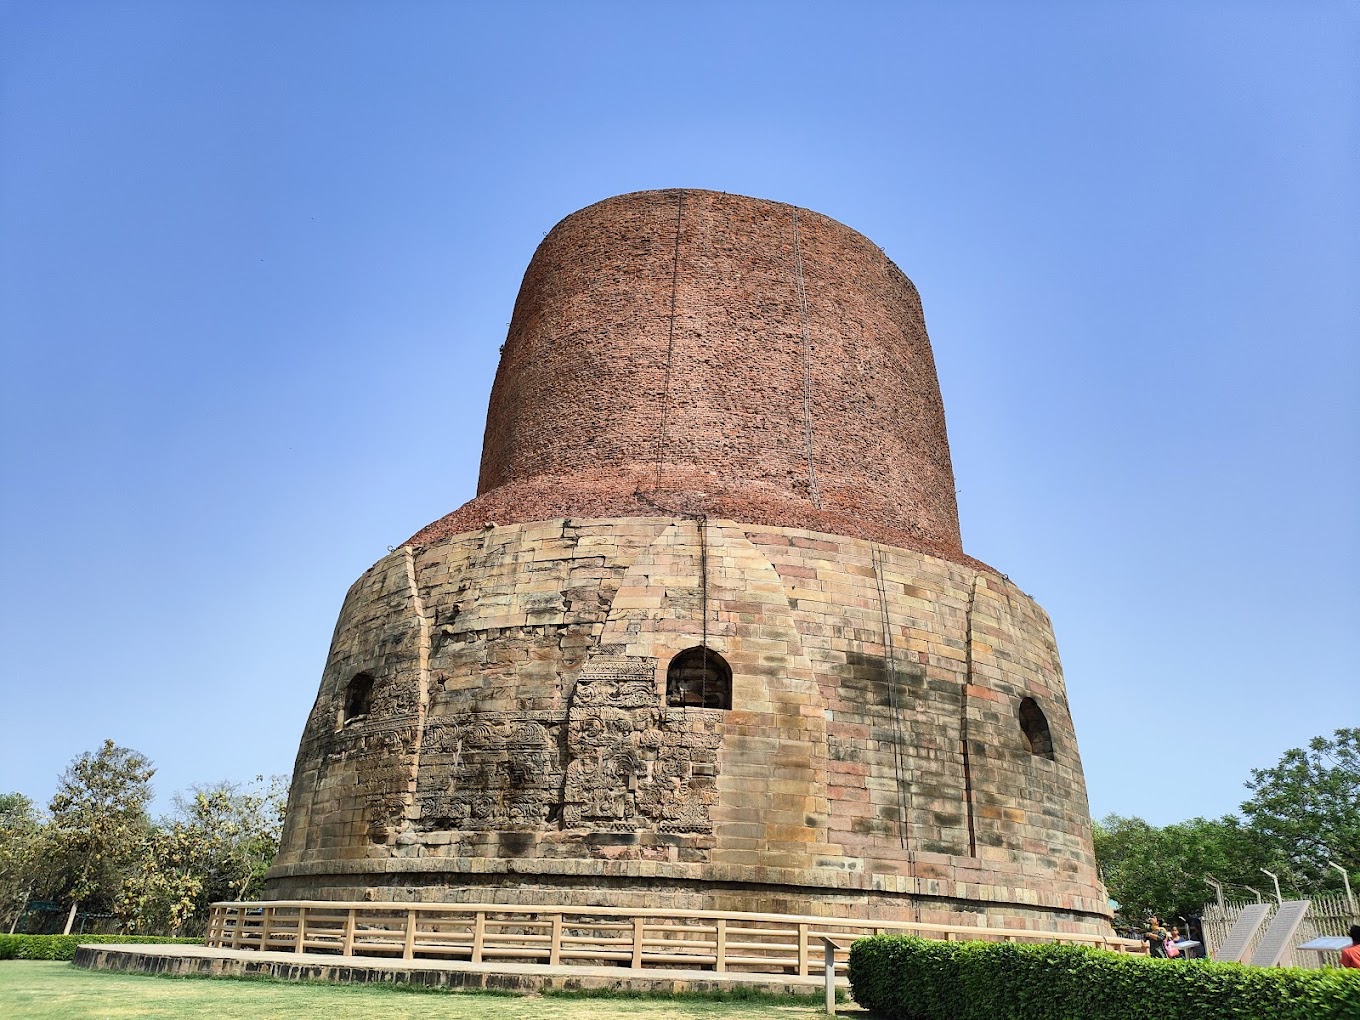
699,677
358,698
1034,725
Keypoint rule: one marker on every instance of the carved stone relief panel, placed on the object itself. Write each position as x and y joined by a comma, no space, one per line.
377,755
491,773
635,765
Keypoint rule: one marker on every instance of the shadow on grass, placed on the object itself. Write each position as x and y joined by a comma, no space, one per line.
739,993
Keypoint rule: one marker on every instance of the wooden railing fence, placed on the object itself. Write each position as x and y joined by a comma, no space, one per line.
482,933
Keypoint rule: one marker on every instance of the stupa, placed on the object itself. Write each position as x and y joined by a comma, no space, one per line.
707,634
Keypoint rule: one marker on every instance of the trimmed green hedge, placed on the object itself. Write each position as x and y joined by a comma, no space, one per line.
63,947
918,979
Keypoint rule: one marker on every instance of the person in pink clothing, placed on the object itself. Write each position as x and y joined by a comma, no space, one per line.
1172,950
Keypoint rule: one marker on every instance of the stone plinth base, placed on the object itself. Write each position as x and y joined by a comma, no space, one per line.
500,715
525,978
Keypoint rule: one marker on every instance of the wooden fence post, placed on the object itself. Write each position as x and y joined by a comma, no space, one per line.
637,943
478,936
408,951
349,934
720,961
301,930
555,947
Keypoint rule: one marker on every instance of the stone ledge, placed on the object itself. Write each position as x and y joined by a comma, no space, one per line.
525,978
470,876
828,880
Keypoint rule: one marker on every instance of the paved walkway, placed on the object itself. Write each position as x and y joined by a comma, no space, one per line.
527,978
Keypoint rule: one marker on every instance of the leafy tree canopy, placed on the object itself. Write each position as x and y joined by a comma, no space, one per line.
1308,806
216,846
20,839
1303,812
98,847
98,816
1151,870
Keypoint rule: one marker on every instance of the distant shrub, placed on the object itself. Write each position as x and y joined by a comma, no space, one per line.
63,947
918,979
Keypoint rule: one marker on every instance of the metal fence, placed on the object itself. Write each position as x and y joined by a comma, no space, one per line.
1328,915
53,922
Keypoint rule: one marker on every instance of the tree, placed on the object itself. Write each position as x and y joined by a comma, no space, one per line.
1150,870
217,846
161,894
101,849
1308,805
245,825
1303,812
20,839
98,821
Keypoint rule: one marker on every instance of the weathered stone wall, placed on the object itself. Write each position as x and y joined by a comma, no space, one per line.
719,354
709,412
519,745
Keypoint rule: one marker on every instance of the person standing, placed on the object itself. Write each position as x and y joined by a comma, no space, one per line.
1156,938
1350,956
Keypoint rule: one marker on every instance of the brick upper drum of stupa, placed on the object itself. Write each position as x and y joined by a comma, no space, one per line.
707,632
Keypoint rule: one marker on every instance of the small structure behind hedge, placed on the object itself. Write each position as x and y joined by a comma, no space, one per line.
909,978
63,947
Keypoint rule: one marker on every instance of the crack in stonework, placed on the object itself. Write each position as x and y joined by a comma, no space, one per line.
423,680
899,748
963,717
807,362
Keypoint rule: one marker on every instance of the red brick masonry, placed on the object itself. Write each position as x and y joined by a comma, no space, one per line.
661,354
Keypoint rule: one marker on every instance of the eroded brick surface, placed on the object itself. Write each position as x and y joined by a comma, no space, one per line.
678,347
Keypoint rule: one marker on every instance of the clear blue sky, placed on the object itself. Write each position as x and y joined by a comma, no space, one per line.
256,261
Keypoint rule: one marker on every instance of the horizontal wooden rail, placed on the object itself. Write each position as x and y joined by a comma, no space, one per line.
483,932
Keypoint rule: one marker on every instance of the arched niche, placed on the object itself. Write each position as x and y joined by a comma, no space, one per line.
1034,725
358,698
699,677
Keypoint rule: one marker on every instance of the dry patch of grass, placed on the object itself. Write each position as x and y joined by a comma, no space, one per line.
31,990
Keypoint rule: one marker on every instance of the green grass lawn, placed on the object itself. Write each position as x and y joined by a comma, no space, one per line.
33,990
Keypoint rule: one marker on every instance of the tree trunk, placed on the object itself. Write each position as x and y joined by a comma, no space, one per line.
22,910
71,917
